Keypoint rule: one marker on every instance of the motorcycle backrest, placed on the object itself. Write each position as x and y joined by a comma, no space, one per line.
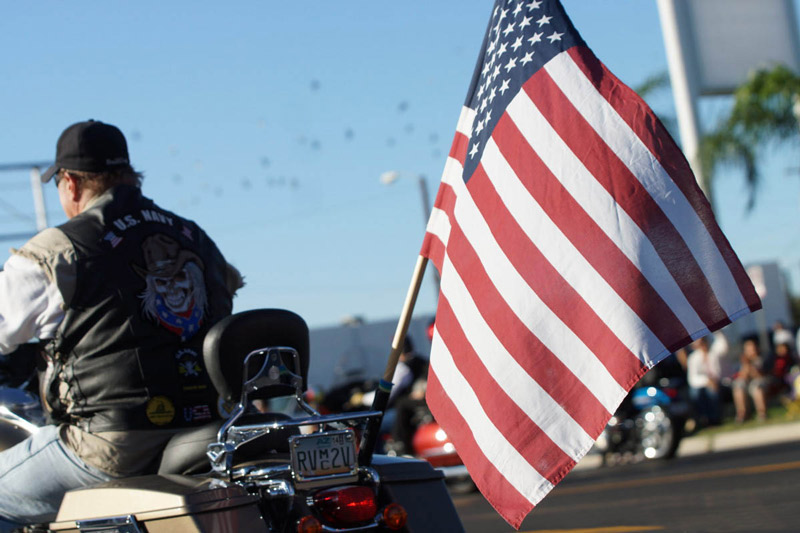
229,341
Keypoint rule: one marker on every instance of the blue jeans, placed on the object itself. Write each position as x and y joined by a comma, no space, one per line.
35,474
707,404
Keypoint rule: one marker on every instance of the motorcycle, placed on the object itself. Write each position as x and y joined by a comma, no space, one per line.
429,441
265,471
21,412
648,424
432,444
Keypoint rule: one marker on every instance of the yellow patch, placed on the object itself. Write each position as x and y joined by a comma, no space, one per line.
160,410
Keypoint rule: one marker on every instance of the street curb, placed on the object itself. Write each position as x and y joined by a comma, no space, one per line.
740,438
736,439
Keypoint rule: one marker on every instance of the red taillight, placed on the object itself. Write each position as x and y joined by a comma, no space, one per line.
671,392
309,524
344,506
395,516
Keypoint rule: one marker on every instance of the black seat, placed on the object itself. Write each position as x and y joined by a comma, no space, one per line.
228,343
185,453
224,350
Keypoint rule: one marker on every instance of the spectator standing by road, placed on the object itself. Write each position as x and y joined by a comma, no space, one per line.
703,375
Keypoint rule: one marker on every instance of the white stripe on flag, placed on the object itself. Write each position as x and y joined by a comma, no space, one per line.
568,261
534,401
465,121
526,304
493,444
601,207
634,154
439,225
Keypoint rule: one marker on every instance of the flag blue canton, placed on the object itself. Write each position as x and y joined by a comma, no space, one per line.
521,38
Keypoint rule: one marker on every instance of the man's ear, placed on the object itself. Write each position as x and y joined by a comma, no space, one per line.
73,186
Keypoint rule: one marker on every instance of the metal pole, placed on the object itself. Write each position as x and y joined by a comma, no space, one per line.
38,199
426,204
683,75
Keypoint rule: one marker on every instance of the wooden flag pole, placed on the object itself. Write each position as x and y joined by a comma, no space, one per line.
405,318
381,398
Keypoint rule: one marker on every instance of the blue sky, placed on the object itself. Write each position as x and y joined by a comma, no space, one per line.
270,124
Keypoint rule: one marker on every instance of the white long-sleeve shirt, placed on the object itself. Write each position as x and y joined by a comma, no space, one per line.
702,369
31,305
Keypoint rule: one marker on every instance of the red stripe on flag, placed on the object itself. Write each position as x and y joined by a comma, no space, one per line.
630,194
446,199
548,284
584,233
659,142
516,426
458,150
506,500
534,357
433,249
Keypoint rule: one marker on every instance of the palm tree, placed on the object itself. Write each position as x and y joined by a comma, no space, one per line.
764,113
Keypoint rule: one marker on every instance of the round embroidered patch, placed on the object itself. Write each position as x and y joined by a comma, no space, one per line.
160,410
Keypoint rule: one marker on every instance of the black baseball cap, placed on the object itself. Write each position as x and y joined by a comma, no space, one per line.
90,146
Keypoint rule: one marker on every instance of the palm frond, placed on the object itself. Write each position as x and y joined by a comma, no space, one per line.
763,113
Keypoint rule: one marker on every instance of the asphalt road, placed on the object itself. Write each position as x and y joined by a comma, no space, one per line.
751,490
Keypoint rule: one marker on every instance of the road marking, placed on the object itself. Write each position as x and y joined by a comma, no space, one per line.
610,529
677,478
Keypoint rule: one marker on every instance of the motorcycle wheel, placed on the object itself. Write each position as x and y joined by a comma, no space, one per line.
659,434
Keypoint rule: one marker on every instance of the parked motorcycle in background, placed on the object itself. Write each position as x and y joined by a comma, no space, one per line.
649,424
432,444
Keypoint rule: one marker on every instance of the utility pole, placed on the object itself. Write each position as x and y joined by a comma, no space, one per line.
38,195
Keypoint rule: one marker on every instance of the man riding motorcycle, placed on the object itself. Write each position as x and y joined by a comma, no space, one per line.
120,297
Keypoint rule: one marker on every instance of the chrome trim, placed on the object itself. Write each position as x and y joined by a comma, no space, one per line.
116,524
272,371
377,521
13,418
371,475
276,488
453,471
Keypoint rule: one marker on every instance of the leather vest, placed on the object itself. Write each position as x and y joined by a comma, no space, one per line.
128,353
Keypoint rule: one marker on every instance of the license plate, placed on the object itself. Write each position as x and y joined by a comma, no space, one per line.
321,456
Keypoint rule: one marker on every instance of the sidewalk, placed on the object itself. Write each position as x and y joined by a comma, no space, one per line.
734,439
740,438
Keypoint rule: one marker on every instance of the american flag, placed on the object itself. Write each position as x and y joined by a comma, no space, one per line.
113,239
575,251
